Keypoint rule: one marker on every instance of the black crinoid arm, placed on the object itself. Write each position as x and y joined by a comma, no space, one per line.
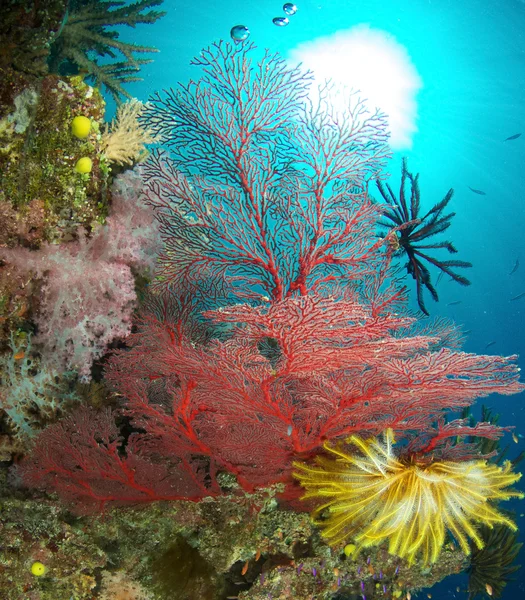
402,216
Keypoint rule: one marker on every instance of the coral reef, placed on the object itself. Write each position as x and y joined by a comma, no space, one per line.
225,406
246,546
273,329
41,194
304,360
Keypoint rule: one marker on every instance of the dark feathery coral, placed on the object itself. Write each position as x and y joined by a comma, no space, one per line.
402,216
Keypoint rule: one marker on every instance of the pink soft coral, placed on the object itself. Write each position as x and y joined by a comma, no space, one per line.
132,235
88,288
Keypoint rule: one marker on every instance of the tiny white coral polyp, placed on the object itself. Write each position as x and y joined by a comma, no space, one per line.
374,497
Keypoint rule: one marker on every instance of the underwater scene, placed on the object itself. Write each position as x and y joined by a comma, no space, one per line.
262,299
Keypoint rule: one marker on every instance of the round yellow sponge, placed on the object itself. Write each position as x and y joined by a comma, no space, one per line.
84,165
80,127
38,569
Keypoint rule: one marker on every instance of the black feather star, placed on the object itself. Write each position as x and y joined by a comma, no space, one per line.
402,218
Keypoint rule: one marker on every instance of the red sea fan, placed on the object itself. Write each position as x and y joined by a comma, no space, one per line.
330,370
260,188
335,370
264,200
83,458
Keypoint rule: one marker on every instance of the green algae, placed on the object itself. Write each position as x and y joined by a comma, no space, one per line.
38,154
182,568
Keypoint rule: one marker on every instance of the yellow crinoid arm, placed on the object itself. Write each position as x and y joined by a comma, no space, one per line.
370,496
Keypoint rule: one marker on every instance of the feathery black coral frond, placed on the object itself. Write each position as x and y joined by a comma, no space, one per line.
402,216
493,564
85,36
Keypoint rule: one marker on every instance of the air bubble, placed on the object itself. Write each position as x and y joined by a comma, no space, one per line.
239,33
280,21
290,9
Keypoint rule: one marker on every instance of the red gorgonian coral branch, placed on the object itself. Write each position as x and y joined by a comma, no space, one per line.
289,376
260,187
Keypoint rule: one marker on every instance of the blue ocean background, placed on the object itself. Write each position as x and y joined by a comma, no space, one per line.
470,57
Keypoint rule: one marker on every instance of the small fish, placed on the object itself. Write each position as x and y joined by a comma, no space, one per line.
488,587
245,568
515,438
439,278
512,137
23,310
467,331
480,192
257,555
19,355
515,267
489,345
522,295
455,303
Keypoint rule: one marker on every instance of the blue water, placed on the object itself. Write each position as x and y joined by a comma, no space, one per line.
470,58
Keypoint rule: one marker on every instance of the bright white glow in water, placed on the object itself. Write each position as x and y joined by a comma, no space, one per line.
374,62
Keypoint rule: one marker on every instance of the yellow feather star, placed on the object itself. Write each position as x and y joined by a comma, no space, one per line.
374,497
